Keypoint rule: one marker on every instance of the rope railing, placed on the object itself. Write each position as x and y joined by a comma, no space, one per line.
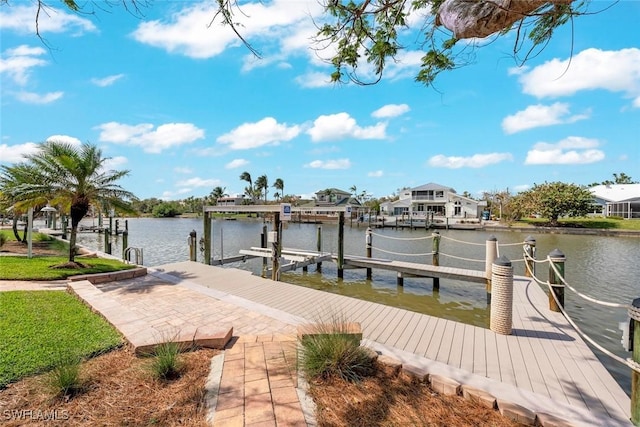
628,362
401,238
461,241
401,253
461,258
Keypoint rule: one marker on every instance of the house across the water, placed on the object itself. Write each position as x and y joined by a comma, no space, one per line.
433,200
622,200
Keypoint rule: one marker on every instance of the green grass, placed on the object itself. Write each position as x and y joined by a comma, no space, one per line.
600,223
39,268
36,327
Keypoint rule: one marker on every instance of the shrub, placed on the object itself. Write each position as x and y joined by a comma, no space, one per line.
3,239
334,353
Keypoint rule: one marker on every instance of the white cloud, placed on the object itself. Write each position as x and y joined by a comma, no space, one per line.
182,170
22,19
540,115
342,125
475,161
315,79
236,163
192,33
18,62
569,151
114,163
375,174
265,132
16,153
107,81
65,139
390,110
36,98
615,71
152,141
329,164
197,182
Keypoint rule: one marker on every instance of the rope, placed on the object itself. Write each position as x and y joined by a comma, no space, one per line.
401,238
460,241
464,259
629,362
586,297
510,244
401,253
501,319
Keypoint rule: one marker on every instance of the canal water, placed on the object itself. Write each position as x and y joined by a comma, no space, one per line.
605,268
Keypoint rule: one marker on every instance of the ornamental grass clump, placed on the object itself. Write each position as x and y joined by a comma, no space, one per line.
331,352
166,363
64,379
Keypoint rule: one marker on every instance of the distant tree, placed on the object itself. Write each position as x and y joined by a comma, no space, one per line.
167,210
279,185
248,190
262,185
554,200
217,193
621,178
69,176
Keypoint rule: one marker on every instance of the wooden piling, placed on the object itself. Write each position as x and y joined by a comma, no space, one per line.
125,242
193,251
275,248
263,244
501,315
530,252
369,249
319,246
107,243
207,237
634,332
555,280
340,245
435,257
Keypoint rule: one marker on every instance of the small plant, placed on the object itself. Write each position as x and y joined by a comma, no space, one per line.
64,379
3,239
333,352
166,363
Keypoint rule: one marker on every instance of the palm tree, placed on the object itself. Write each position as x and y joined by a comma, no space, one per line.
279,185
217,193
73,177
246,176
262,184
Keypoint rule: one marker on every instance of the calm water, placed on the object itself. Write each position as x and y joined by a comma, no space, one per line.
605,268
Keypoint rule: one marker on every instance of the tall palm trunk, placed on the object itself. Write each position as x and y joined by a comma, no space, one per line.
79,209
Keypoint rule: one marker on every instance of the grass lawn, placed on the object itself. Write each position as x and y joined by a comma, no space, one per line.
37,328
602,223
39,268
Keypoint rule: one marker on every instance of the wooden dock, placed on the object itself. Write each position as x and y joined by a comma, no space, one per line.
544,365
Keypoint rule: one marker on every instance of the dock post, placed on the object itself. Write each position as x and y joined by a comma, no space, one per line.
319,246
400,279
107,243
275,248
110,224
501,314
555,280
117,225
192,246
530,256
207,237
435,257
491,254
125,242
263,244
634,332
340,245
368,246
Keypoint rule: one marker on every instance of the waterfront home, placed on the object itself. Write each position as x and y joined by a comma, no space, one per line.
621,200
335,197
433,199
231,201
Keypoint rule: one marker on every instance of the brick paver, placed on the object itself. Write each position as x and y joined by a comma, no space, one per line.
261,369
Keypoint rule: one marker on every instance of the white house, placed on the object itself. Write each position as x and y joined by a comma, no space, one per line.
433,199
621,200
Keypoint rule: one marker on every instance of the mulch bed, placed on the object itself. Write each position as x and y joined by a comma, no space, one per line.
119,391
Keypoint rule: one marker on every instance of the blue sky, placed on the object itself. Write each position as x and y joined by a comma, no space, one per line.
186,107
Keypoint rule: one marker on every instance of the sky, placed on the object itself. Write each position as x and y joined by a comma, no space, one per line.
180,102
